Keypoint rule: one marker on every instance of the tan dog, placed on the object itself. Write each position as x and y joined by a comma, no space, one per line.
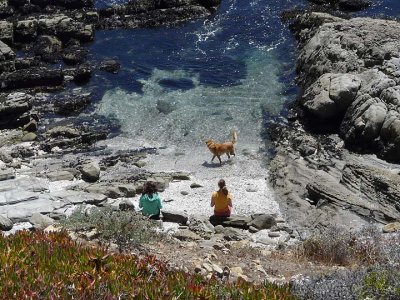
227,148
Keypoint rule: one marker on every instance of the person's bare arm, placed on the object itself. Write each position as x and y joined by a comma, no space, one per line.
212,201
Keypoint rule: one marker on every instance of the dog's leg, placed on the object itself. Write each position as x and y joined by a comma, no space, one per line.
212,159
228,155
220,161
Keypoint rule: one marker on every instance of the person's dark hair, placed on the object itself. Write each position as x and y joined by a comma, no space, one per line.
222,186
225,191
149,188
221,183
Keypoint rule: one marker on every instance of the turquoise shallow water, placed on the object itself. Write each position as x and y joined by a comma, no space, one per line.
204,78
201,79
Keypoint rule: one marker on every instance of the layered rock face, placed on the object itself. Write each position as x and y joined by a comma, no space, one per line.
350,70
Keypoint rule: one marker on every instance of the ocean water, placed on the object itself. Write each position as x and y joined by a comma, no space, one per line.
181,85
201,79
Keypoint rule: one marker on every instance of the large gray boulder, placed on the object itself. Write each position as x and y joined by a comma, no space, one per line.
90,172
173,216
350,70
263,221
40,221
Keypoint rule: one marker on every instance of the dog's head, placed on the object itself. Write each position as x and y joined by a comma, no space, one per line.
209,143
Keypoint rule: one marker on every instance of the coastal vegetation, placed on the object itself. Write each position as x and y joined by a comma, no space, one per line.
43,265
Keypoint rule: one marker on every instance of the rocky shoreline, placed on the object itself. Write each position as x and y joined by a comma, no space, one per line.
325,172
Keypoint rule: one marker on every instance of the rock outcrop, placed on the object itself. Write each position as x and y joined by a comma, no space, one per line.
350,70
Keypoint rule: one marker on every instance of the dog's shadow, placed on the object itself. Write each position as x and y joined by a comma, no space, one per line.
215,165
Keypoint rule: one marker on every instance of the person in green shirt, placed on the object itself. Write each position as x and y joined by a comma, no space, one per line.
150,201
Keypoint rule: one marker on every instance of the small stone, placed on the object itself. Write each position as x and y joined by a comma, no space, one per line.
140,163
236,271
5,223
251,189
195,185
40,221
90,172
208,267
252,229
52,228
217,269
243,277
274,234
29,137
184,193
391,227
168,200
31,126
198,269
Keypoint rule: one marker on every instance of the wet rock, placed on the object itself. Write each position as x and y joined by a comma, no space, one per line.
69,4
165,106
48,47
74,55
173,216
25,31
63,131
65,28
263,221
152,14
90,172
7,57
32,126
40,221
391,227
111,66
34,77
5,223
345,5
6,32
72,104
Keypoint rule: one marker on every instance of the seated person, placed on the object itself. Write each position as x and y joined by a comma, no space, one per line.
221,200
150,201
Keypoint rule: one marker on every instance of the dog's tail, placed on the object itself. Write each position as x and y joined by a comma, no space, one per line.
234,137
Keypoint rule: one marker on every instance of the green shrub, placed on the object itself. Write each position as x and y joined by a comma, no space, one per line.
127,229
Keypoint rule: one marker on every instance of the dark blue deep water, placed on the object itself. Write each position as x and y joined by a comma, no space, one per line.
230,70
